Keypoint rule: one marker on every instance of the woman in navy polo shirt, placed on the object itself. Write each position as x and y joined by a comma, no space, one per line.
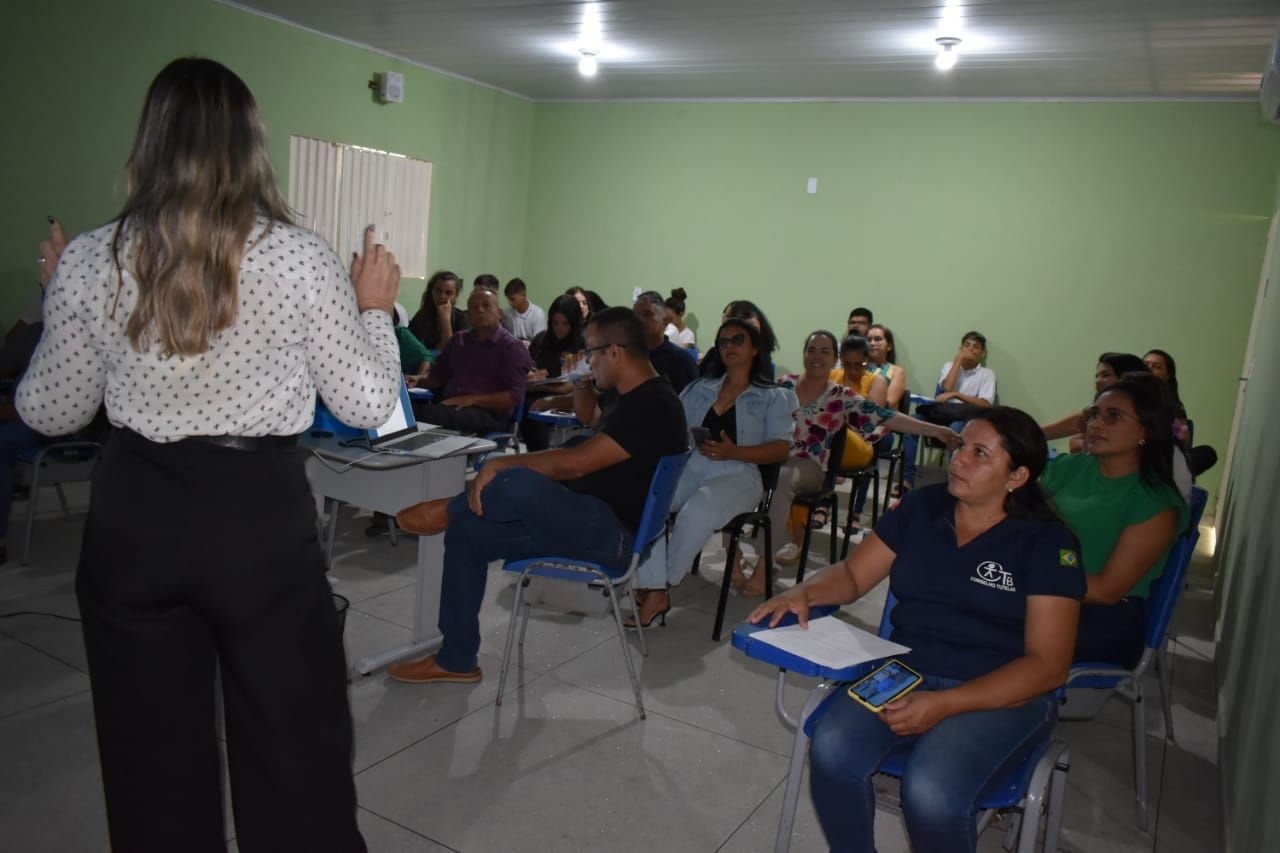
989,583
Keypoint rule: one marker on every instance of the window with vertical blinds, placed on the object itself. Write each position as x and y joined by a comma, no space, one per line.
338,189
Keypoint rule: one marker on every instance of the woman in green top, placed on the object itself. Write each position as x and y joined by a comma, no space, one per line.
1120,500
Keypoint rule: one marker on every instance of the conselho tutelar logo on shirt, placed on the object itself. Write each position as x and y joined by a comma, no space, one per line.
993,575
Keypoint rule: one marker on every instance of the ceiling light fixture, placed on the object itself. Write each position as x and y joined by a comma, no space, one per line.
946,58
587,65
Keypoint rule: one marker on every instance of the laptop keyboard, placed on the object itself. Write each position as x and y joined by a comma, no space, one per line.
413,442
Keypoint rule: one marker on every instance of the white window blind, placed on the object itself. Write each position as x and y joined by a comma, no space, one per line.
339,189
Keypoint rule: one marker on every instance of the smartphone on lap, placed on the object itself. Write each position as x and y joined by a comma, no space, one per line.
891,681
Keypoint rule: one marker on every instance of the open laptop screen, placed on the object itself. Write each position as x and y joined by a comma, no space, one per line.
401,422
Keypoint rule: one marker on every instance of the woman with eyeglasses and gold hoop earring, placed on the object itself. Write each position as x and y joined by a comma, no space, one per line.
742,420
1120,499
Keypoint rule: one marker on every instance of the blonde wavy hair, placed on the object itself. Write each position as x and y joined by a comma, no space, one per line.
199,176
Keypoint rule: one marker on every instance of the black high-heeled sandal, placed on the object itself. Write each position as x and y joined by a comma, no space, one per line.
630,622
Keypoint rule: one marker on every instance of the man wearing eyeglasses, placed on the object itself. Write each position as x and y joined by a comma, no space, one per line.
582,502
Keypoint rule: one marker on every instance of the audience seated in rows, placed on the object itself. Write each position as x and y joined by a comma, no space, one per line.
439,317
581,502
485,281
748,422
522,318
15,354
1121,500
825,408
555,352
855,374
480,375
415,358
1111,366
882,360
988,584
860,320
749,312
671,362
677,332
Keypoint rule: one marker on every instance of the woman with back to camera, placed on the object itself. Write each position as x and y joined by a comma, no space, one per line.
988,584
677,332
208,322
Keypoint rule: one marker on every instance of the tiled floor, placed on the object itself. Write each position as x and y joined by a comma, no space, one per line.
565,764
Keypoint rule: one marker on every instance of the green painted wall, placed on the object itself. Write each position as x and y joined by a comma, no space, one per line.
1059,229
76,73
1249,599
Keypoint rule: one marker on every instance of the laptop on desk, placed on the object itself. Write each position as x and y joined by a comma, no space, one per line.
400,434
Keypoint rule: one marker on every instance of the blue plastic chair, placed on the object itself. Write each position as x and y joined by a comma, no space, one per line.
1038,784
653,523
1089,684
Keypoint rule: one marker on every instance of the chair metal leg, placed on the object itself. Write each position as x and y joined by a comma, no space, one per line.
767,559
511,636
799,752
730,556
635,615
835,511
888,481
32,496
391,530
1140,754
1164,670
1037,796
524,622
626,648
1012,831
804,547
62,499
875,493
1057,797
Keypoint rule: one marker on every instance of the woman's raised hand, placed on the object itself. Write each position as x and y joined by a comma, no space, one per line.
376,276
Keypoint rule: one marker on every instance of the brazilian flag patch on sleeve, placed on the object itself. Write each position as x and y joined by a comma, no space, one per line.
1067,557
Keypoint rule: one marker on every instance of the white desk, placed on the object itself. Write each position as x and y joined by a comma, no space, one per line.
388,484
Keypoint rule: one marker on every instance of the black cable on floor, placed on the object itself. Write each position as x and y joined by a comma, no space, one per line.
38,613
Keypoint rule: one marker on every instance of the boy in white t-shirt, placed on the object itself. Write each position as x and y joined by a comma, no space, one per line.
522,319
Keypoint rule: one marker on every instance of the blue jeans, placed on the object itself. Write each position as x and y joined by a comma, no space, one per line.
945,775
525,515
15,437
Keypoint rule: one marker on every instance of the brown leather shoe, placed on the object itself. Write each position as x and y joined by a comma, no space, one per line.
425,519
427,671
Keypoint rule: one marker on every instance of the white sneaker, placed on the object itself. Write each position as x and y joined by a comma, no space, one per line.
787,554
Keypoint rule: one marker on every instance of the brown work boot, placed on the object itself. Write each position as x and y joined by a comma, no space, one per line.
427,671
425,519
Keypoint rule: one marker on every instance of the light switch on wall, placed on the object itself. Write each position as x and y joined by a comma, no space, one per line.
813,186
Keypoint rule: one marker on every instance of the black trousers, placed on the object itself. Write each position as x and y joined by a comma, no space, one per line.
1112,633
198,559
467,419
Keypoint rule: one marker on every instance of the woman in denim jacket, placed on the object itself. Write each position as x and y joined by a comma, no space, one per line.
749,420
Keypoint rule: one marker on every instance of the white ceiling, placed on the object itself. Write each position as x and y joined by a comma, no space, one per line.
819,48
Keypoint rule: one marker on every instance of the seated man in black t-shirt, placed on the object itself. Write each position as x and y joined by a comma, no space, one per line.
583,501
